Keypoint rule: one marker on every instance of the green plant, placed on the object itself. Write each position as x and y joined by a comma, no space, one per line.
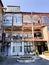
46,51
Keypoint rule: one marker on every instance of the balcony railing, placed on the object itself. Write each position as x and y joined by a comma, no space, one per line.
7,39
27,24
15,38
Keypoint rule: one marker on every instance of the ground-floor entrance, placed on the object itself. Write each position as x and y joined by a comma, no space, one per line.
41,47
23,48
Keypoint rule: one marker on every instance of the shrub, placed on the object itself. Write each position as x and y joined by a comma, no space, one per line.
46,51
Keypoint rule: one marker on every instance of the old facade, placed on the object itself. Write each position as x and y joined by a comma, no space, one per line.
24,32
1,13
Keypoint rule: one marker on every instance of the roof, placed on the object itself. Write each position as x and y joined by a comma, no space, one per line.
12,6
29,12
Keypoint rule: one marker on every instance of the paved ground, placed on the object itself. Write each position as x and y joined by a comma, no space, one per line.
44,57
37,62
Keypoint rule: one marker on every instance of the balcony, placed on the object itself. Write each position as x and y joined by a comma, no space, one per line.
7,39
27,24
16,37
41,25
17,24
37,37
7,24
25,36
36,26
17,28
7,29
24,39
34,39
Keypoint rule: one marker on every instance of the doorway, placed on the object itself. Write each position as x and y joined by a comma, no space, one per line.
42,47
39,49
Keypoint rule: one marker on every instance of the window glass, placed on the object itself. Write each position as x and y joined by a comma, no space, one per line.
17,47
28,47
7,20
45,19
36,19
27,19
17,19
14,48
20,48
13,9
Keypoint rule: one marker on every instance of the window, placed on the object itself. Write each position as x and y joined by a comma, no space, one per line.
13,9
7,20
45,19
27,19
17,47
27,35
13,48
28,47
17,19
8,35
37,34
36,19
25,49
20,48
48,28
17,36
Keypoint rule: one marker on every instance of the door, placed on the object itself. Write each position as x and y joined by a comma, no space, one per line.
40,49
28,47
17,48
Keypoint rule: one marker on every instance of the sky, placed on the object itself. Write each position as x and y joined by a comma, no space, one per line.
29,5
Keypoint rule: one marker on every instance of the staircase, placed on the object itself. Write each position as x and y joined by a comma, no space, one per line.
26,58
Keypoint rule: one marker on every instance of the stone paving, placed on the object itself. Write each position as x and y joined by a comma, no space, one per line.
44,57
37,62
40,61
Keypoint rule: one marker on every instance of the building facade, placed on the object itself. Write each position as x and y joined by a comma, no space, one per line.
24,32
1,14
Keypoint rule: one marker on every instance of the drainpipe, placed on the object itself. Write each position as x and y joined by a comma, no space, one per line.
3,31
32,32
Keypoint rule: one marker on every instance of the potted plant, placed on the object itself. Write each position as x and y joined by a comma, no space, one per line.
46,53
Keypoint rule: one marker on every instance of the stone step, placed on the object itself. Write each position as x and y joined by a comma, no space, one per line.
30,60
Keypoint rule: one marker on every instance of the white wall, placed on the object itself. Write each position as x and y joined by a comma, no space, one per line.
17,52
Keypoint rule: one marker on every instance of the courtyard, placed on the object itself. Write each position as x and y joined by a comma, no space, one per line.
10,61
